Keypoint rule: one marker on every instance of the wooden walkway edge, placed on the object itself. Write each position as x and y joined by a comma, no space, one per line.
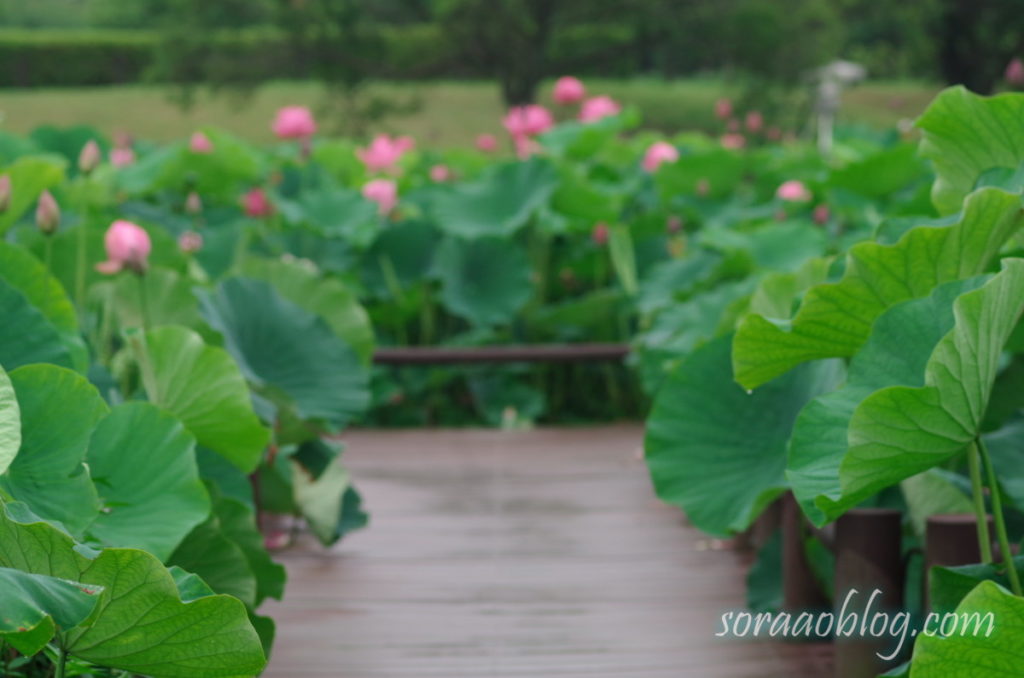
539,554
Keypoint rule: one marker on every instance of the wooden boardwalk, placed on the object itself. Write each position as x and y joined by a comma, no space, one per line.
538,554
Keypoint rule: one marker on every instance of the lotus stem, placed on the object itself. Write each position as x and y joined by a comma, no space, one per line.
977,490
1000,521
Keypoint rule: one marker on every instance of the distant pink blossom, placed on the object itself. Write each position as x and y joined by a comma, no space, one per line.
128,246
1015,72
568,90
674,224
821,214
703,187
193,203
256,204
658,153
596,108
754,122
200,143
793,191
190,242
122,156
488,143
294,122
528,121
5,192
384,192
47,212
600,233
90,157
774,133
440,173
733,141
525,146
723,109
384,152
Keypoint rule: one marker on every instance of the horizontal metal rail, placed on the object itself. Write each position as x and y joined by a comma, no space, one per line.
540,353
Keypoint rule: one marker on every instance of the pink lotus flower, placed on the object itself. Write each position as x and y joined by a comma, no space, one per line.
528,121
1015,72
190,242
256,204
383,153
674,224
90,157
122,156
127,246
488,143
793,191
657,153
193,203
440,173
754,122
821,214
5,192
733,141
723,109
294,122
596,108
600,234
47,213
200,143
384,192
525,147
568,90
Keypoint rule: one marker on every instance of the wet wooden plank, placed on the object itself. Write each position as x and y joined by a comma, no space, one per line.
513,554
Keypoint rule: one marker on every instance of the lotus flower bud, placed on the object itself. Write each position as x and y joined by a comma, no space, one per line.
200,143
5,192
723,109
821,214
488,143
90,157
294,122
190,242
127,246
793,191
658,153
568,90
596,108
754,121
1015,73
193,204
47,213
600,234
440,173
256,204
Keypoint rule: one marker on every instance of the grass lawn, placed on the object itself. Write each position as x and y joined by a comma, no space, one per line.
447,113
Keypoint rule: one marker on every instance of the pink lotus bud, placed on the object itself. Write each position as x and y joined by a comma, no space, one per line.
821,214
525,146
384,153
200,143
657,153
600,234
294,122
754,122
674,224
528,121
90,157
190,242
440,173
568,90
488,143
733,141
193,203
256,204
384,192
596,108
5,192
47,213
127,246
122,156
793,191
703,187
1015,72
723,109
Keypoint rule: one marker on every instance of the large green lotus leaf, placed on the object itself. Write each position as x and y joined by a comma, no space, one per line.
327,297
835,319
29,177
932,493
34,606
497,204
718,451
141,625
22,271
238,523
881,174
59,410
218,560
777,293
580,199
400,257
143,463
21,320
965,135
337,212
286,351
169,300
902,430
486,280
668,280
989,646
10,422
203,387
895,354
948,586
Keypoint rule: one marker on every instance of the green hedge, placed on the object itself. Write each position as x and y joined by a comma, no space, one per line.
65,58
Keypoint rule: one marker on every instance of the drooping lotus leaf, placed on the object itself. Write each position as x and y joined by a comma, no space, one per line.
718,451
835,319
22,319
34,606
964,136
142,624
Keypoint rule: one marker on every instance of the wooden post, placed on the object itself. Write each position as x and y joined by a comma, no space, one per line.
800,590
951,539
